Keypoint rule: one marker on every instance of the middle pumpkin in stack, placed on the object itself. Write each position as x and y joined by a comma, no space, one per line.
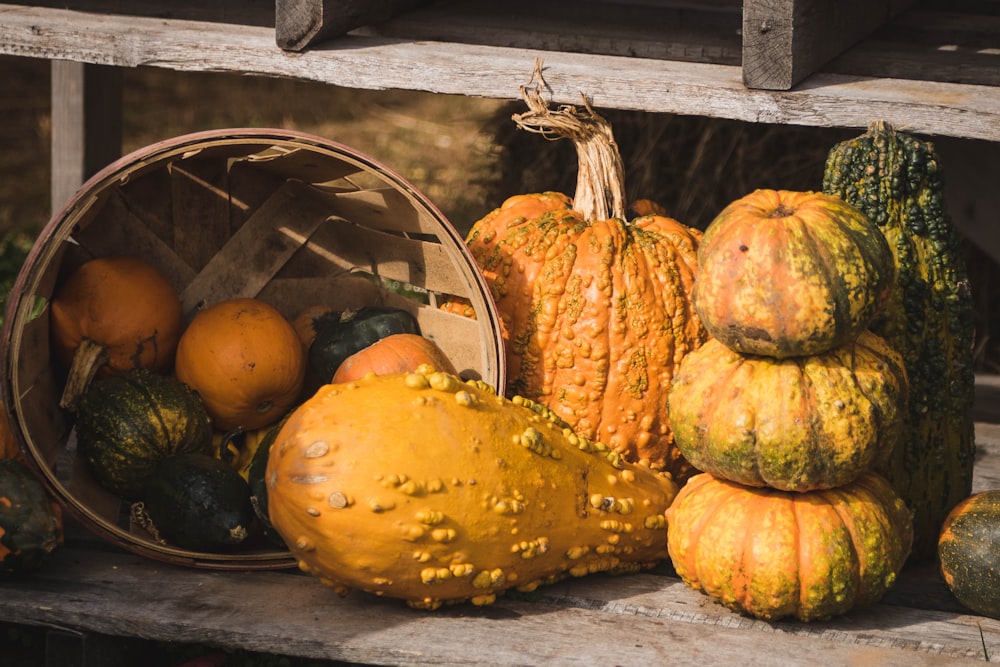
791,396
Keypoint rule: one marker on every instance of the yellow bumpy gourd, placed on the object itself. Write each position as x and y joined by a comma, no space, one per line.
435,490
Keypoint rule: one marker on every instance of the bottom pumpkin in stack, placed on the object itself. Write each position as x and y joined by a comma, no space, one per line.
775,554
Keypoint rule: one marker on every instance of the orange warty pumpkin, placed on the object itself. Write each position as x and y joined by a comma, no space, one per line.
787,274
774,554
596,308
398,353
122,304
245,361
795,424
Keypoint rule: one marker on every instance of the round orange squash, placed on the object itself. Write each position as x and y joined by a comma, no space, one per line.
786,274
245,361
398,353
122,304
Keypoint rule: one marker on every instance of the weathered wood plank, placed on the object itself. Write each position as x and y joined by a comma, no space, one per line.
86,124
634,620
784,41
965,48
668,30
302,23
379,63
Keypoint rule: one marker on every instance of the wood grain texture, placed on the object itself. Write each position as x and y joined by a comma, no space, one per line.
784,41
302,23
641,84
601,620
86,124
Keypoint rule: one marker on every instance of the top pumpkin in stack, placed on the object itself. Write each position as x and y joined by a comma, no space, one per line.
596,308
788,274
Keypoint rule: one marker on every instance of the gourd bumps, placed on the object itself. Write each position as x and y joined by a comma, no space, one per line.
423,487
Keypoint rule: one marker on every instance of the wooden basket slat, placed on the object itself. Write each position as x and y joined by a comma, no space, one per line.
298,163
142,194
408,260
341,292
255,253
122,232
385,208
200,208
456,334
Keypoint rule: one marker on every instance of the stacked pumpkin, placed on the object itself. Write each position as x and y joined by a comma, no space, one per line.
790,411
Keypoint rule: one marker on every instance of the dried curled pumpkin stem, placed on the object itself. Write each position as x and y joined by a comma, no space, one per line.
89,357
600,180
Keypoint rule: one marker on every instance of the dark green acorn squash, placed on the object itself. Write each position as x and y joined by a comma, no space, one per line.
258,484
896,180
31,527
128,422
969,549
339,335
195,501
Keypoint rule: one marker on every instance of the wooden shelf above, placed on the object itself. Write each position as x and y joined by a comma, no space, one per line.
238,38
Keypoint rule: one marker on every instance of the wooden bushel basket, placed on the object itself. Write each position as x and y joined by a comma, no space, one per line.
289,218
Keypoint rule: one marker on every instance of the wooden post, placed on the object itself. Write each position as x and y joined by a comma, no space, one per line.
86,124
302,23
784,41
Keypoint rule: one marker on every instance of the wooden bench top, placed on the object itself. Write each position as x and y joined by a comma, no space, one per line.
643,619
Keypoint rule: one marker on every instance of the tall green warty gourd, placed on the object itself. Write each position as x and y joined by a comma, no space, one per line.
896,180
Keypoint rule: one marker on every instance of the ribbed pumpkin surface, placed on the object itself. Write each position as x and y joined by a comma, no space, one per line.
598,313
774,554
896,180
128,422
796,424
787,274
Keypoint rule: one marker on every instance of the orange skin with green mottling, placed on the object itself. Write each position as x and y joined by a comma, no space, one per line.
795,424
597,314
786,274
775,554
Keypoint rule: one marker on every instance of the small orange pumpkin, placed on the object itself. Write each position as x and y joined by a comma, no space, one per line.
245,360
398,353
123,305
305,324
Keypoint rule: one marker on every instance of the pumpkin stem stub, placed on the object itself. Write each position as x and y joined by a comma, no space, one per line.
89,356
600,181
